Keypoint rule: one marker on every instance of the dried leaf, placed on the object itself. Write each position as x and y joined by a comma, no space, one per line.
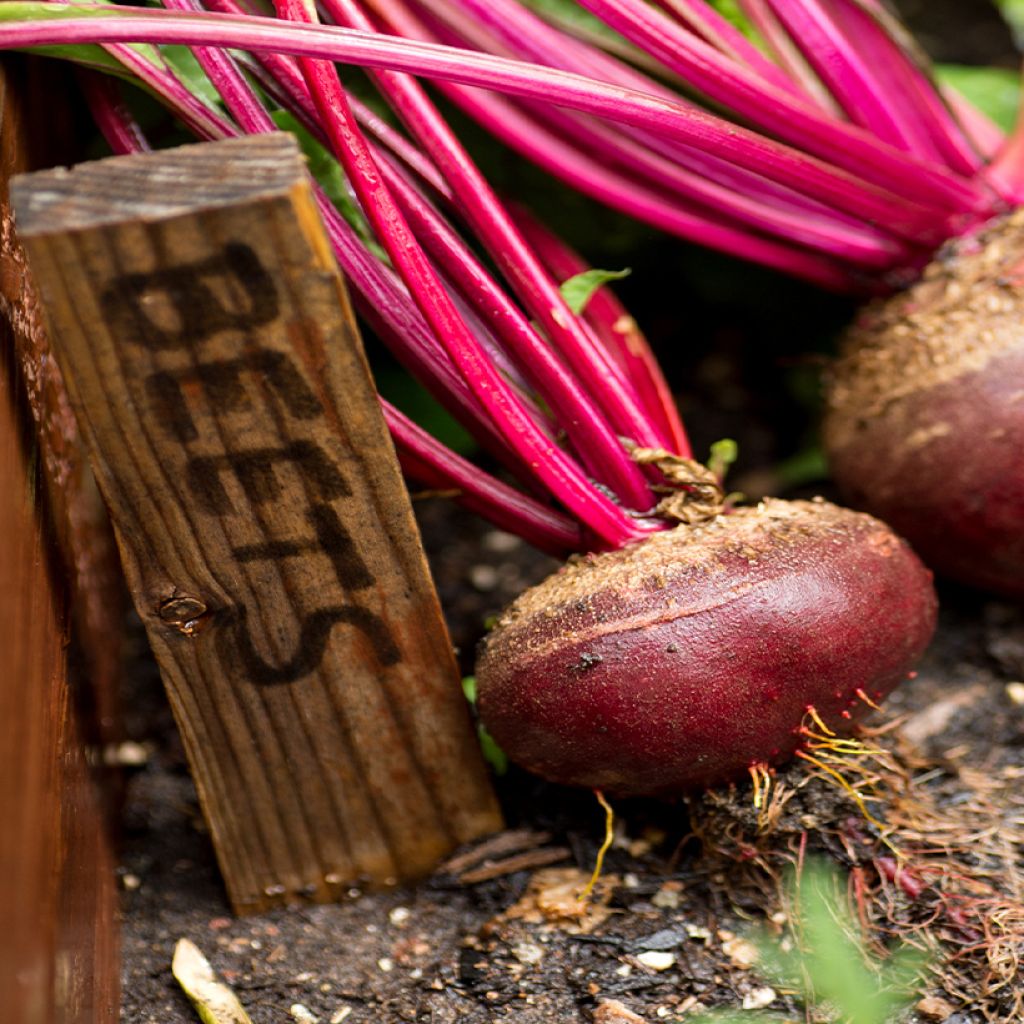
611,1011
552,899
695,493
214,1001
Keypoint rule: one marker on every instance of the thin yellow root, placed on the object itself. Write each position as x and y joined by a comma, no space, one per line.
867,700
812,714
609,835
761,778
855,795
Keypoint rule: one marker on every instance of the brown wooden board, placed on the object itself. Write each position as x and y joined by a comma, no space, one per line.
58,928
216,371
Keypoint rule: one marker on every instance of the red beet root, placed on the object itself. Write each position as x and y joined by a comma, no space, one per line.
925,422
684,659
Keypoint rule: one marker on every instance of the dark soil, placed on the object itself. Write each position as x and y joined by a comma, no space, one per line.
444,952
685,881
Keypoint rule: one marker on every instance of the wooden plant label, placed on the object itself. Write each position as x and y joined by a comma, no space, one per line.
216,371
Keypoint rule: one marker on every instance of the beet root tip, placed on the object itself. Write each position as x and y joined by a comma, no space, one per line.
680,661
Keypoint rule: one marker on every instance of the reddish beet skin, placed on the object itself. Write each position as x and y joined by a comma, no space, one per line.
925,420
684,659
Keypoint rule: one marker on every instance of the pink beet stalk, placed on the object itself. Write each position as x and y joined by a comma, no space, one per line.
501,405
883,167
855,94
589,362
616,327
923,427
426,457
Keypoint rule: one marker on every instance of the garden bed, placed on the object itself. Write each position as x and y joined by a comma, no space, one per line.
449,950
685,882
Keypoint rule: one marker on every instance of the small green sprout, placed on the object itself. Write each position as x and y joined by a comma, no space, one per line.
827,961
493,754
723,454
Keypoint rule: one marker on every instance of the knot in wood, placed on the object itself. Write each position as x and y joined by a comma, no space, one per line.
184,613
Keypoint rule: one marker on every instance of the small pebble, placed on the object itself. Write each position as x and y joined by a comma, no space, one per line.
527,953
483,577
386,964
302,1014
759,998
1015,691
657,960
340,1014
500,542
667,897
935,1008
131,882
399,916
126,755
742,952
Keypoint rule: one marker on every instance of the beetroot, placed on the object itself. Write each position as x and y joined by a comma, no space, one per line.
684,659
925,422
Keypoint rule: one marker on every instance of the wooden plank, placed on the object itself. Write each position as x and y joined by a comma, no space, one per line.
59,941
267,538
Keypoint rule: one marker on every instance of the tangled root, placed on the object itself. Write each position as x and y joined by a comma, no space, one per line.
933,852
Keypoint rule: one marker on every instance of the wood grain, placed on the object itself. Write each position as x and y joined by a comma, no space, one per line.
215,367
59,936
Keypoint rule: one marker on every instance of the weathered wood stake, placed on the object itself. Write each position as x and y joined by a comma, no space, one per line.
217,375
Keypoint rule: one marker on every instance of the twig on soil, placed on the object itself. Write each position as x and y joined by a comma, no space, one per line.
488,859
520,862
